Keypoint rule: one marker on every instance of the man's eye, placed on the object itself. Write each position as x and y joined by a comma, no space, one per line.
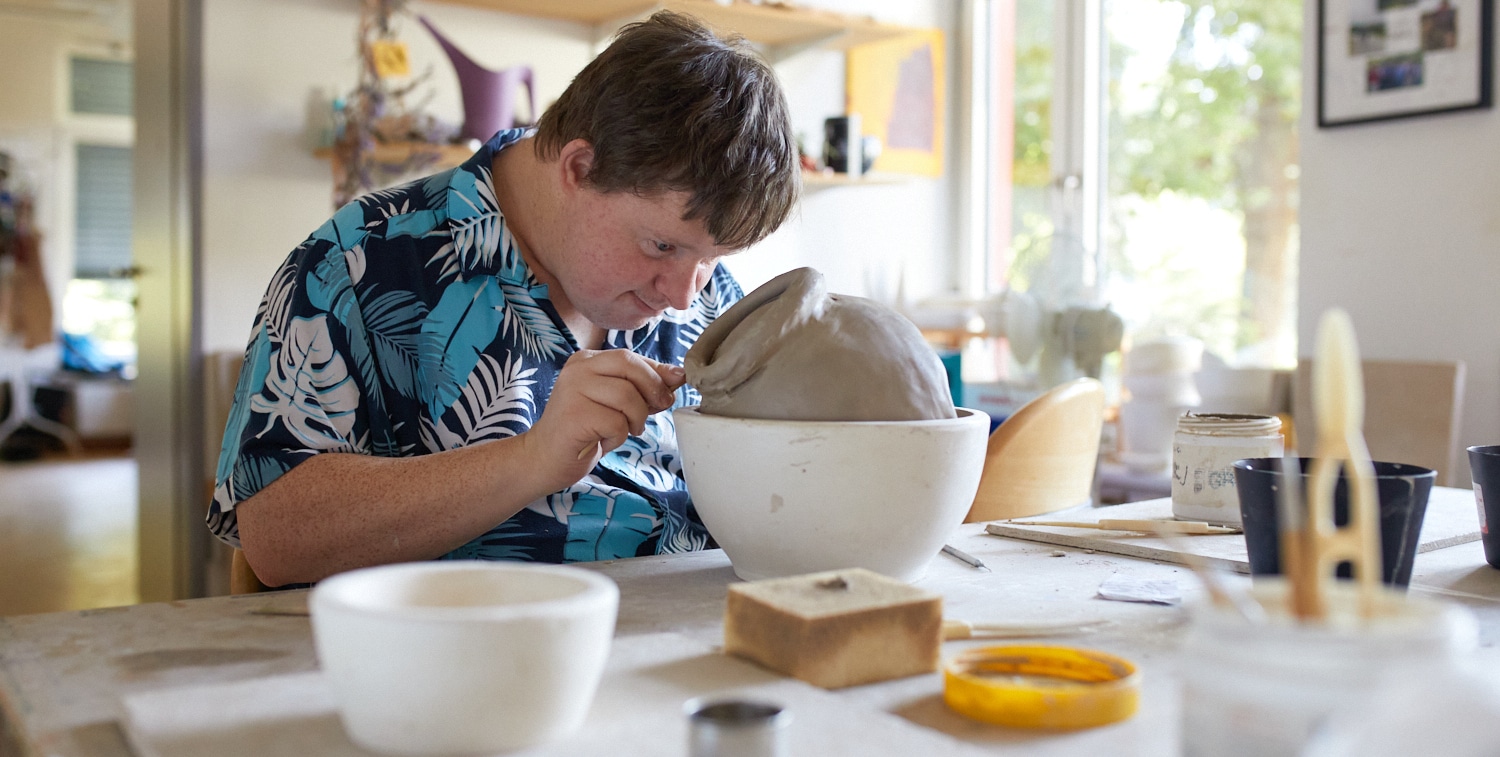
663,247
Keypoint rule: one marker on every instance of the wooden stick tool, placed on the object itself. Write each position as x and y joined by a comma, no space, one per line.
1183,527
1339,404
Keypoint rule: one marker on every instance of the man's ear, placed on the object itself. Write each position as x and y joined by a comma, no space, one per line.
574,164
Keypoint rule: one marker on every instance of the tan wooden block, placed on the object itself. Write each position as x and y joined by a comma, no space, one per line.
835,629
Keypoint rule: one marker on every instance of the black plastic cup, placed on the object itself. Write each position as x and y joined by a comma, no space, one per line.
1403,491
1484,468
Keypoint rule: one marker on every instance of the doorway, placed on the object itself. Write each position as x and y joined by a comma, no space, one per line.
68,478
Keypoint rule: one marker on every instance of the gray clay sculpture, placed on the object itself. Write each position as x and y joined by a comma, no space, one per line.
791,351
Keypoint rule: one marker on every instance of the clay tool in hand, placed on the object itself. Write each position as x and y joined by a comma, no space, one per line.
1339,404
964,557
1182,527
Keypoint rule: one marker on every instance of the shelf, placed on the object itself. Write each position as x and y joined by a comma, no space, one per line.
398,153
774,25
820,180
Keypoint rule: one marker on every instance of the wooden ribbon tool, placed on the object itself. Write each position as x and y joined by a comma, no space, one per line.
1312,545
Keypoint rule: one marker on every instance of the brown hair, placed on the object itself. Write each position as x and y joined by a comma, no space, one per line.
669,106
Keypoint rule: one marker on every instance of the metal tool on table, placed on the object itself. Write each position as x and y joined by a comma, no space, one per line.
965,557
1312,546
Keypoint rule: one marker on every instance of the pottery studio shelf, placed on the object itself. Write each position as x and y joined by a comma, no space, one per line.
775,25
398,153
815,180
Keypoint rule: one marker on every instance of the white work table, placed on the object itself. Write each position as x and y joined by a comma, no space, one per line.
63,676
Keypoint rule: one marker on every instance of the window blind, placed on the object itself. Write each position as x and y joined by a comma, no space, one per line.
102,238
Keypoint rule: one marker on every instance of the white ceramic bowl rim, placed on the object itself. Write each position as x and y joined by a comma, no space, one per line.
333,593
965,415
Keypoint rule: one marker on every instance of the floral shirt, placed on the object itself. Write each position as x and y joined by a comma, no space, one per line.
409,324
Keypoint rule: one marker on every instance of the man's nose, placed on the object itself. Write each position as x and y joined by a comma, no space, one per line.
681,282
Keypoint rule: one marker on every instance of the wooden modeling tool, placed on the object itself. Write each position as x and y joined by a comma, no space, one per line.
974,629
1181,527
1339,404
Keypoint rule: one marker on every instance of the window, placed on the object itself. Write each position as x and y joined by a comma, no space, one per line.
101,87
102,222
100,299
1152,164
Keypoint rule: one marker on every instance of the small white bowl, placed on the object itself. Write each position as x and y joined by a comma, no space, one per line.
790,497
464,657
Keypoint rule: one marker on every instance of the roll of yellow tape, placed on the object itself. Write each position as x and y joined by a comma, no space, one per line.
1041,687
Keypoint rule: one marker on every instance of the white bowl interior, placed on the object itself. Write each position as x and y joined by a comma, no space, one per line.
466,586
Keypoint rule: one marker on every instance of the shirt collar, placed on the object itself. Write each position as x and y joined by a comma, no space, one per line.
471,198
480,239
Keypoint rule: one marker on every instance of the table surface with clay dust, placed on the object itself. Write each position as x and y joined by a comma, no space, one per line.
213,676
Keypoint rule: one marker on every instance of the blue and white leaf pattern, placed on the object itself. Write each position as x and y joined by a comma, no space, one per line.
447,262
648,459
530,325
409,324
602,528
497,402
678,534
309,389
454,334
504,542
254,472
394,322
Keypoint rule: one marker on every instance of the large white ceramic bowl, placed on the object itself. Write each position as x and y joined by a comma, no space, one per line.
463,657
789,497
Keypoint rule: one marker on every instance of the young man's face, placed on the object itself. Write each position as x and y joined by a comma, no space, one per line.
626,258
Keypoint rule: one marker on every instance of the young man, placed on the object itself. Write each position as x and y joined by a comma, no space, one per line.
476,364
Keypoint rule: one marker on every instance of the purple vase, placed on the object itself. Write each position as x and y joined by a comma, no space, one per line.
489,96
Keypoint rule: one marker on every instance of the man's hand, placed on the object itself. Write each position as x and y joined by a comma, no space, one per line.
601,398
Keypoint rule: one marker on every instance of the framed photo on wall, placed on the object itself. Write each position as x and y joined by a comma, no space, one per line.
1384,59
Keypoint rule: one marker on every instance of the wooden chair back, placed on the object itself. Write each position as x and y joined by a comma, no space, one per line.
242,578
1042,458
1412,414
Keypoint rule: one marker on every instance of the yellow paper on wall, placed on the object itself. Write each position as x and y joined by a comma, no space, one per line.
897,87
390,58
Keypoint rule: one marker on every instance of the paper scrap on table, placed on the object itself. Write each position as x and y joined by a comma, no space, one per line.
1124,588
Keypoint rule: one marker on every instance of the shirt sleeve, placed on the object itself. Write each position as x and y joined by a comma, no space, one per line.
297,393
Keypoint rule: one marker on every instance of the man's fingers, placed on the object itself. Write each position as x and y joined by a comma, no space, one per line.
619,396
653,381
671,375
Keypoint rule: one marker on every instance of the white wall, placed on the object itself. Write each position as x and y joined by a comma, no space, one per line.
1401,227
265,62
264,192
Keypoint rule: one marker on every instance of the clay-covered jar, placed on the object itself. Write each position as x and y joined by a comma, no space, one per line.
791,351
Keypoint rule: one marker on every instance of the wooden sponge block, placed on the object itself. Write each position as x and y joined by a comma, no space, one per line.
835,629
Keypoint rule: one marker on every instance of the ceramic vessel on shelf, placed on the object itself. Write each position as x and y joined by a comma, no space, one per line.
789,497
489,95
463,657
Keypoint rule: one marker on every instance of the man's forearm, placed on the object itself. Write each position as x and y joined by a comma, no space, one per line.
341,511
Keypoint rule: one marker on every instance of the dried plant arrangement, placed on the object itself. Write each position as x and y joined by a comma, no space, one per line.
376,111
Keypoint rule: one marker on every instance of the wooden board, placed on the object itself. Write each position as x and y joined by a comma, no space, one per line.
638,710
1451,519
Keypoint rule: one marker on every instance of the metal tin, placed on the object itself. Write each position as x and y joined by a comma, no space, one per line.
736,728
1204,450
